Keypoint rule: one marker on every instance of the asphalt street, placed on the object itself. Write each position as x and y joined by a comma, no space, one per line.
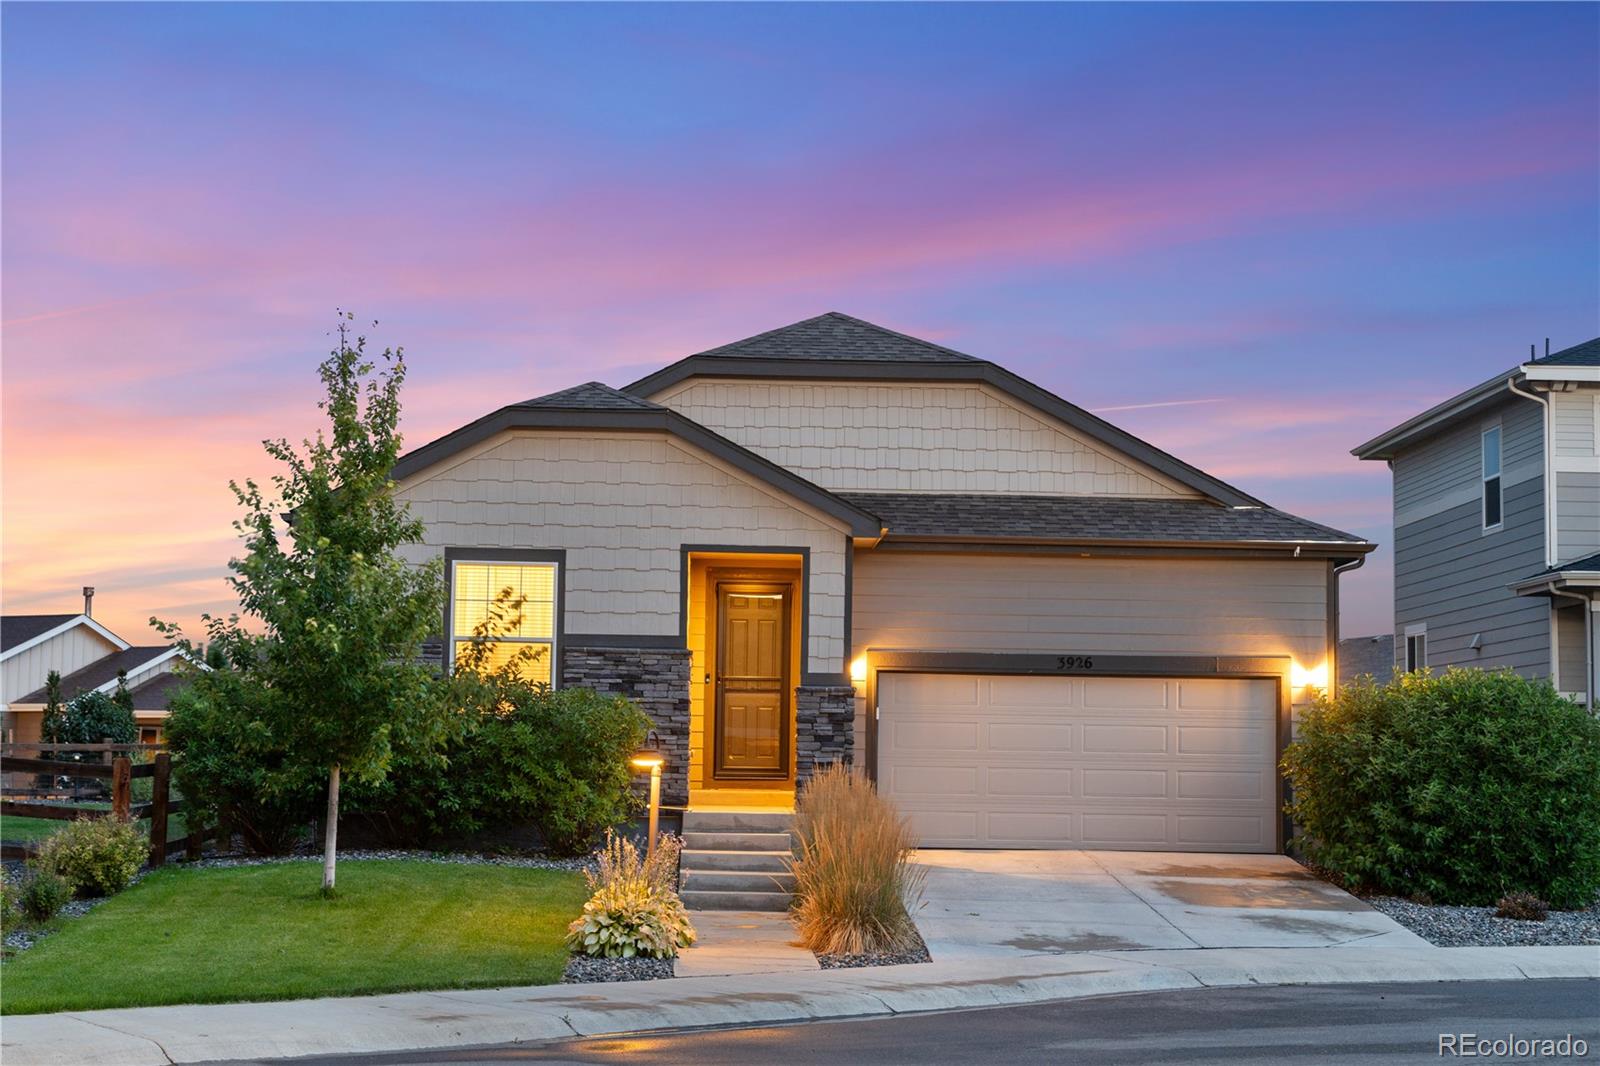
1339,1024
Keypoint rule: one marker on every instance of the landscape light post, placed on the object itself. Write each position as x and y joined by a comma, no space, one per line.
650,758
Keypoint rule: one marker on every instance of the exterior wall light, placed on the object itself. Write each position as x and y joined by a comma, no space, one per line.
858,669
1309,677
650,757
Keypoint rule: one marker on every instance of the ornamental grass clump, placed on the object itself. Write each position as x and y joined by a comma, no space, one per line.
855,883
634,911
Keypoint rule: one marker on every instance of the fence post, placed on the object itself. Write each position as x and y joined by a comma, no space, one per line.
121,788
158,808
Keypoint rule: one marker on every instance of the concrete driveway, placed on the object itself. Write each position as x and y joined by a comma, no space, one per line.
988,903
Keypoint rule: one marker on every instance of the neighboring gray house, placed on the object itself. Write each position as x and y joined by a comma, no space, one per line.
1367,657
833,541
1497,524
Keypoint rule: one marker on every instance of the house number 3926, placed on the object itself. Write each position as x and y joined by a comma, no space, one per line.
1074,662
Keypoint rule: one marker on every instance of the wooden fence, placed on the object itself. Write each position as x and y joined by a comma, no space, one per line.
117,768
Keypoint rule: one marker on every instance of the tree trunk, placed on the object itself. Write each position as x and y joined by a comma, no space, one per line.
330,830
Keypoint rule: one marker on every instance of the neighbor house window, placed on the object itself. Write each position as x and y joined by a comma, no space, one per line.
1416,648
513,606
1493,513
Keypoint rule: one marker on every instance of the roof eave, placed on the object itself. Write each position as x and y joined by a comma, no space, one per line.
1317,548
1532,586
1388,443
659,420
1558,372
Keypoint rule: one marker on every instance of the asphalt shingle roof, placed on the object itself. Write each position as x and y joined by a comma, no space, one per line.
1585,354
591,396
20,628
99,672
1361,656
156,693
839,336
1086,518
1588,563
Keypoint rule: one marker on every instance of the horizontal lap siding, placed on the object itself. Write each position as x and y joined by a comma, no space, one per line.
1451,574
1575,431
1010,603
622,505
912,438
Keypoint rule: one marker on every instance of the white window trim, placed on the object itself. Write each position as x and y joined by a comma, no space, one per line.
1416,629
1484,477
556,564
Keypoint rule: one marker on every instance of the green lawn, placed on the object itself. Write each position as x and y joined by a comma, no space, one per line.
263,932
15,829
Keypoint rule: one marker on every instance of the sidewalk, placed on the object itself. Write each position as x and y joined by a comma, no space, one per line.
160,1035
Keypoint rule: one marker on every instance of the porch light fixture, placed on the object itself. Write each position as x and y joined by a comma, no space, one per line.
650,758
858,669
1309,677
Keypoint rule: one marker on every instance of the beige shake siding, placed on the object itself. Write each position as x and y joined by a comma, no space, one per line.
622,505
1066,604
912,437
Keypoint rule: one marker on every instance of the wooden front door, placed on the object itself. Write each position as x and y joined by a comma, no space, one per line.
751,728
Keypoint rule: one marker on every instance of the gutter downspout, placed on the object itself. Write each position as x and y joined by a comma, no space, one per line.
1549,487
1590,673
1333,638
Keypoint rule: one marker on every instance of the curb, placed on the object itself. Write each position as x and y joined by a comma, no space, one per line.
158,1036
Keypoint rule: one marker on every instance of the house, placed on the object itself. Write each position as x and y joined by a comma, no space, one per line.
1367,657
833,541
1497,524
89,657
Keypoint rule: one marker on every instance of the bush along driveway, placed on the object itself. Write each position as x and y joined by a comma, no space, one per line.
262,932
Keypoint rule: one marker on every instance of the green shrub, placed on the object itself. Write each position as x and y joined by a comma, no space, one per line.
231,770
97,858
527,755
855,884
634,910
10,908
1459,787
43,894
91,718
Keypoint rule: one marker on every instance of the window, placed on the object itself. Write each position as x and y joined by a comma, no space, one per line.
514,604
1416,648
1492,503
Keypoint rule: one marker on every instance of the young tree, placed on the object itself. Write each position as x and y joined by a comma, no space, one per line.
51,719
122,697
341,617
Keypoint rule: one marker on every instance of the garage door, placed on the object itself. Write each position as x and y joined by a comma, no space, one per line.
1129,763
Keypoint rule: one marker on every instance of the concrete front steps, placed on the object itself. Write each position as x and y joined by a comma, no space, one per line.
735,860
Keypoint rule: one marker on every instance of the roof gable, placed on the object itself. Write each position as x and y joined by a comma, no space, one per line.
837,337
19,632
102,673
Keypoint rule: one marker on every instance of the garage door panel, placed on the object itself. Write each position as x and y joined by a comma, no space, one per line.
934,780
1124,783
1221,740
1041,782
1106,829
1110,738
1124,693
1027,828
1029,736
1133,763
1222,784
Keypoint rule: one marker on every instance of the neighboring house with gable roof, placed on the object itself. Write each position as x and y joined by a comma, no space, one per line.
1497,524
89,658
833,541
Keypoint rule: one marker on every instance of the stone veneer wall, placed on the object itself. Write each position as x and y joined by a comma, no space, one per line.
657,679
824,728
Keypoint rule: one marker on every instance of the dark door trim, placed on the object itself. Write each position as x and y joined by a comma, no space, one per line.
720,590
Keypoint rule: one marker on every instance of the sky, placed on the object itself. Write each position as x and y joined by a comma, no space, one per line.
1255,236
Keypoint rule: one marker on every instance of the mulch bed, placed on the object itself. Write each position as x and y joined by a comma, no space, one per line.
583,970
877,958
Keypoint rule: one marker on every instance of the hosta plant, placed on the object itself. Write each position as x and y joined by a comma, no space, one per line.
634,910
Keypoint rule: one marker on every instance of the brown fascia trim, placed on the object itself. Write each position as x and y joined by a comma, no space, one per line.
979,370
861,523
1339,551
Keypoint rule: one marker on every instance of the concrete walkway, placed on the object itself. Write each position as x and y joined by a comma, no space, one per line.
748,942
154,1036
